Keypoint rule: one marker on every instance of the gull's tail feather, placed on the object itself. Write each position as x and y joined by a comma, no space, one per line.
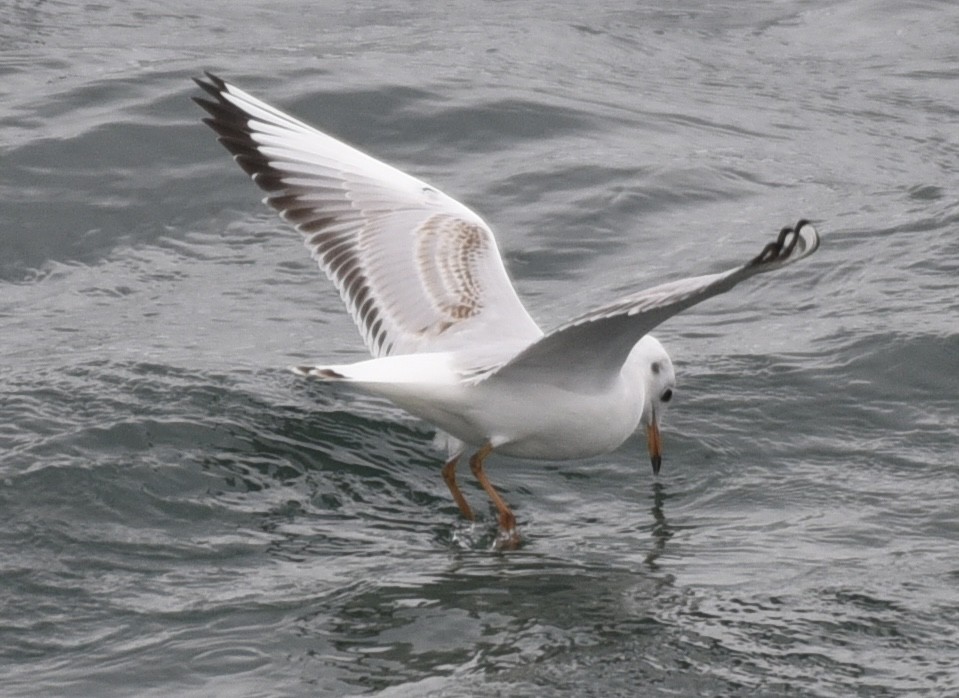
421,369
322,372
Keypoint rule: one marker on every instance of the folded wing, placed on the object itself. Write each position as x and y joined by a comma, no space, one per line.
418,271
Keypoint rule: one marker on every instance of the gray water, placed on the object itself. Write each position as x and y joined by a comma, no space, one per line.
179,515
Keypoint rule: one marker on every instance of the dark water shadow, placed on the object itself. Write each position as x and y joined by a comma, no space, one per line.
662,531
492,613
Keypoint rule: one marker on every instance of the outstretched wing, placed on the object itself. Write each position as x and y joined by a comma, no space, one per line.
418,271
591,349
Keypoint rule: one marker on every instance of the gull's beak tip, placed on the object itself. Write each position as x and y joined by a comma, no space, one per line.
655,447
657,462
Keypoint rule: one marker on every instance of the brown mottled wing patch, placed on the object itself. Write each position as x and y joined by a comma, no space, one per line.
447,253
417,270
434,282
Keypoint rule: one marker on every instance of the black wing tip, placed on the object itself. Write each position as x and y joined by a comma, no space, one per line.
802,235
231,125
211,83
213,87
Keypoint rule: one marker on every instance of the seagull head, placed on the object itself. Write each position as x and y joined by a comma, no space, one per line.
659,383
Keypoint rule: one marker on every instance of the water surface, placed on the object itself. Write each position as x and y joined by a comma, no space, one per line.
179,515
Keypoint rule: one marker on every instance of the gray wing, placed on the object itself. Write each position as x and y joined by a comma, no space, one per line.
418,271
591,349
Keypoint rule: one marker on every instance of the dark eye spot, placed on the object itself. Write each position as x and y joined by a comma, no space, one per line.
655,367
667,395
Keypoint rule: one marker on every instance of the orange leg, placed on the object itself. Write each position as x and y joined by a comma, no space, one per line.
507,521
449,474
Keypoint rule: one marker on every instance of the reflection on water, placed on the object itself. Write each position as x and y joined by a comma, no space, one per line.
661,530
493,614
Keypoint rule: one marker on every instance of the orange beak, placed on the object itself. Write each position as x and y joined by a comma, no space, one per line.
655,447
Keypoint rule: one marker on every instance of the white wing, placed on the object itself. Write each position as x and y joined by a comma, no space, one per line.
418,271
590,350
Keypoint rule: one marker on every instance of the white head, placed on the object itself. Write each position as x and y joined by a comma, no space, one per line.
659,381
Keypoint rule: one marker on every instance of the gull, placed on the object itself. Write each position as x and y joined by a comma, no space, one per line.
452,344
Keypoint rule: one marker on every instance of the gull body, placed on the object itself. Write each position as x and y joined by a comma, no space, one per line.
525,417
422,277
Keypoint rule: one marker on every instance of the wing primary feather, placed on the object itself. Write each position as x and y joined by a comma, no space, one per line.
599,342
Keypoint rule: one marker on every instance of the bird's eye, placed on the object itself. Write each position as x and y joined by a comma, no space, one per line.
667,395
